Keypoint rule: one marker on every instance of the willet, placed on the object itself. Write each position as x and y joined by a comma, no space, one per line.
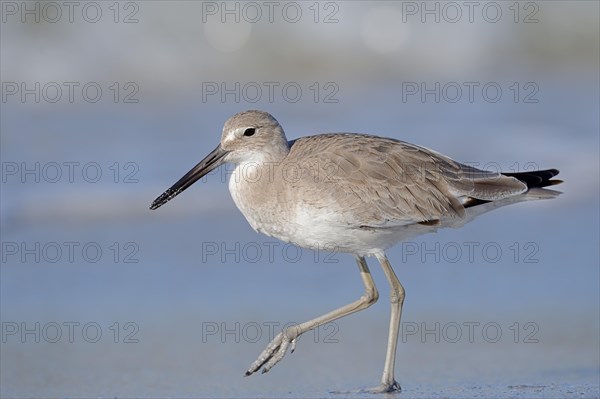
359,193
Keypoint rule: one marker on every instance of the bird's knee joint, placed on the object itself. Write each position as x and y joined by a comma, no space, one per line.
370,296
397,295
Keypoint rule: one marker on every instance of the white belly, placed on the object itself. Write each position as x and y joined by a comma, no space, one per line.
271,213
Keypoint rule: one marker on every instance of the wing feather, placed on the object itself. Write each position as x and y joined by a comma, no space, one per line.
371,181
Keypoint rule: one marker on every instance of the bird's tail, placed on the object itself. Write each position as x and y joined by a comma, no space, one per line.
536,179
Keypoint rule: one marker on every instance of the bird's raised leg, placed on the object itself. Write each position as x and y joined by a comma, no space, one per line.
277,348
388,383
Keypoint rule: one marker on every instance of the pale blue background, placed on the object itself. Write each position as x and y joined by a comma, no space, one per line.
171,292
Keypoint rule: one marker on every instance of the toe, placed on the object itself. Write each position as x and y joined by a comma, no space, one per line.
385,388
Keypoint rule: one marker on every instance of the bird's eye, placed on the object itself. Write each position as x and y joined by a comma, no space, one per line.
249,132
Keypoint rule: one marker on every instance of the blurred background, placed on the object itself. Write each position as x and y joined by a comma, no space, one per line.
106,104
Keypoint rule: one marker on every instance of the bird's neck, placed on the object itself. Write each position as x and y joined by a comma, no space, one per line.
278,149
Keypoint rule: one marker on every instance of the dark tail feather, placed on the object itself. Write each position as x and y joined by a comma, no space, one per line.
538,178
533,180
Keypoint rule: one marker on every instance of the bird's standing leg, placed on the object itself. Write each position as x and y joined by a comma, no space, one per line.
277,348
388,383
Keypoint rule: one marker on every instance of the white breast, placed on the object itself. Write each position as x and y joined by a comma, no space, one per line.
271,212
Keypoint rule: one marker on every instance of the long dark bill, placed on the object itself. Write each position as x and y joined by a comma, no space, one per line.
211,162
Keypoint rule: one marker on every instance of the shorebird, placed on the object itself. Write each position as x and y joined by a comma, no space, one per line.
356,193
